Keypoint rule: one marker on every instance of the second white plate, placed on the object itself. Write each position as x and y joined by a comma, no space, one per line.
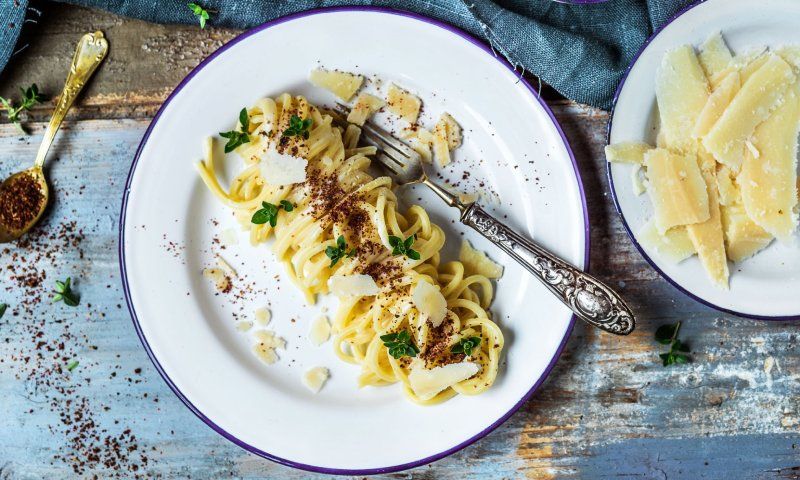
766,285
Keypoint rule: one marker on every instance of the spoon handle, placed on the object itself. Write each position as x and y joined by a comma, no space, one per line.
91,51
590,299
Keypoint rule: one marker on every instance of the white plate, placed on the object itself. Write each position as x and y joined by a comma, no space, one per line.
766,285
512,143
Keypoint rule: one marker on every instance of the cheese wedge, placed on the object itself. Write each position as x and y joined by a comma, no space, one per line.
681,93
747,70
714,55
403,104
759,95
743,237
677,189
790,53
627,152
768,181
717,102
737,64
674,245
726,186
342,84
365,106
426,383
707,236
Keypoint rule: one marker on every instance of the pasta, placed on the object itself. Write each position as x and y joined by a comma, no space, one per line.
339,198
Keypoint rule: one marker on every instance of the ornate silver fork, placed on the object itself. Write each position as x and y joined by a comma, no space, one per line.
590,299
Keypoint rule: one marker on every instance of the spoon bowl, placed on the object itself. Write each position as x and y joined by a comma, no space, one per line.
7,233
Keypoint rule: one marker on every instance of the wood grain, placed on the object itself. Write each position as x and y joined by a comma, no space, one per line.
609,409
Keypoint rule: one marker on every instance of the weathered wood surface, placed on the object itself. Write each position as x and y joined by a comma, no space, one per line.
609,409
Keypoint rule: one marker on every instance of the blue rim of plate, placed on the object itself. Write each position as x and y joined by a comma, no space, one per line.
160,369
636,244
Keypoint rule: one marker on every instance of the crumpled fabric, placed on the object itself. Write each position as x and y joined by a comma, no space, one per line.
582,51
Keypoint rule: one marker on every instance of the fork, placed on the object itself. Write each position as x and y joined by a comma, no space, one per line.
590,299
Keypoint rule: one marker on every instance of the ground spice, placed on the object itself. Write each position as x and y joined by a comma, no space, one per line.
21,198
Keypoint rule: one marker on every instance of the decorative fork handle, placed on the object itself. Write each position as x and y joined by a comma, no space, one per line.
591,300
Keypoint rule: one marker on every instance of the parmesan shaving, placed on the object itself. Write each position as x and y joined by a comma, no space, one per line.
476,261
314,378
430,302
342,84
427,383
278,169
403,104
358,285
320,331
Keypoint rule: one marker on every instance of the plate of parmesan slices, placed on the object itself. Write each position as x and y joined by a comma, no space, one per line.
300,303
702,151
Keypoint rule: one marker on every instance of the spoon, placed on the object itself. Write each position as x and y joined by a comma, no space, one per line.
31,201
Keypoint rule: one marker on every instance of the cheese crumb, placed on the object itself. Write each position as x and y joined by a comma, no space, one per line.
262,316
266,344
244,326
222,282
320,331
314,378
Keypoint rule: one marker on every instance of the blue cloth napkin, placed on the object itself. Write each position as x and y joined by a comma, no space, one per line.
580,50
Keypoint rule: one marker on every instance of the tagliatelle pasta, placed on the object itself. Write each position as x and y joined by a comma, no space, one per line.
341,204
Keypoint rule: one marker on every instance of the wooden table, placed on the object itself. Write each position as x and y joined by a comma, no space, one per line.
609,409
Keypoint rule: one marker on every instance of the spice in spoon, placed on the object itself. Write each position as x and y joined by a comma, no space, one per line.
21,198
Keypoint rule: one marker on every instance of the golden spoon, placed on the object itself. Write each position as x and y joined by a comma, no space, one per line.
24,195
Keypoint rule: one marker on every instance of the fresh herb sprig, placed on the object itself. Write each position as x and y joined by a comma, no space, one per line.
64,292
30,97
201,13
3,307
466,345
668,335
72,365
400,344
403,247
237,137
339,251
268,213
298,127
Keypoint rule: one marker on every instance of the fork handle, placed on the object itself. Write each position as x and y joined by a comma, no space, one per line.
590,299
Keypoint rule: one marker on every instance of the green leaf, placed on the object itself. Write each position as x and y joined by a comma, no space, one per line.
667,359
298,127
395,241
287,205
72,364
409,241
399,344
3,308
665,333
244,120
63,292
413,254
679,346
